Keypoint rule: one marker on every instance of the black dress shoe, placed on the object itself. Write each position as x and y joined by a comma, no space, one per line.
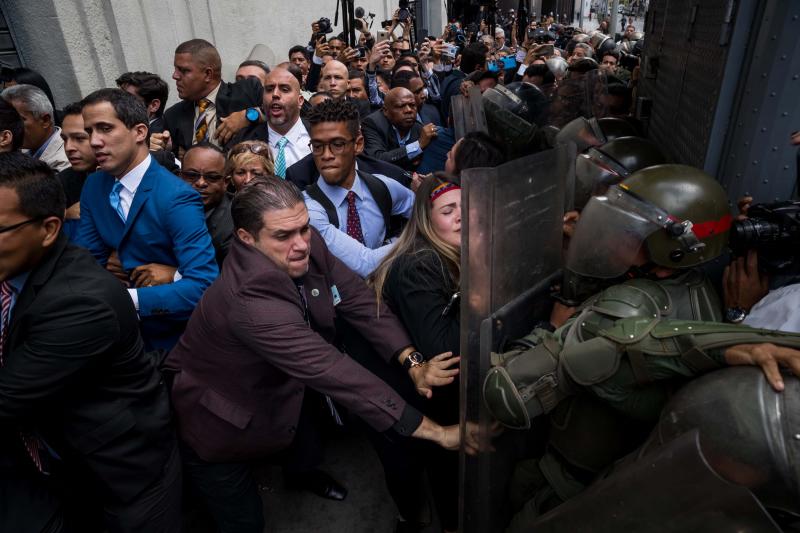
318,482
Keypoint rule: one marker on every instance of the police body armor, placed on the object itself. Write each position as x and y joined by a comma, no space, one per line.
604,377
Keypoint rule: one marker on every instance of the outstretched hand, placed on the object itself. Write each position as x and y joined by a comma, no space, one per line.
435,373
769,357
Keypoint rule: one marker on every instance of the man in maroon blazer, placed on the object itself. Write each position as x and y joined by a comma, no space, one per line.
262,334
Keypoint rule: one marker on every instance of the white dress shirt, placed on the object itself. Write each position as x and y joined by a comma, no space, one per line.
130,183
297,147
360,258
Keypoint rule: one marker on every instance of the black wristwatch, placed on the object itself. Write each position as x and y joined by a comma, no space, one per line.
413,359
735,315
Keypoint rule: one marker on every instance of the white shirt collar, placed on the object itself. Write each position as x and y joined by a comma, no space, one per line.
134,177
295,134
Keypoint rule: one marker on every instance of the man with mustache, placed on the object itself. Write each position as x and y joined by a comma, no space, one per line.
204,169
258,354
285,133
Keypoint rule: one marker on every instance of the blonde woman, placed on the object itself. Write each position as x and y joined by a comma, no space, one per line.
419,280
247,160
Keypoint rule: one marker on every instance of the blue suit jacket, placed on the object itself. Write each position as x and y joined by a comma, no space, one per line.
165,225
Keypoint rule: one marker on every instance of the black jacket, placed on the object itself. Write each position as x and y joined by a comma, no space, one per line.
420,292
76,374
380,140
304,172
220,226
231,97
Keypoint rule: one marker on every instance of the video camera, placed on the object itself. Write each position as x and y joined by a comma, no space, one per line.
774,231
324,25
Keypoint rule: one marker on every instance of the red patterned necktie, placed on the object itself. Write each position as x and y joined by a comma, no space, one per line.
353,221
31,443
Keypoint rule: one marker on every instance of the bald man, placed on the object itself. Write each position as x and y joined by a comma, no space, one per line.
336,81
392,134
210,109
286,135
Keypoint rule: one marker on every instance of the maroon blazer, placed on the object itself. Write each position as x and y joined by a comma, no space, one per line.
248,354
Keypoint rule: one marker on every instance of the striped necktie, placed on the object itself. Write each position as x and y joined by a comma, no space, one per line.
280,159
30,442
201,126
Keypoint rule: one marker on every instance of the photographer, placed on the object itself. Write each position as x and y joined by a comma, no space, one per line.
751,296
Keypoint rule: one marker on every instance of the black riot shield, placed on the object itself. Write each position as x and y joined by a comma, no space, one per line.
511,254
467,113
671,490
580,94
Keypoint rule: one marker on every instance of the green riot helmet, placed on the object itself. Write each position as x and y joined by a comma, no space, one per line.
599,167
514,115
601,44
679,212
588,132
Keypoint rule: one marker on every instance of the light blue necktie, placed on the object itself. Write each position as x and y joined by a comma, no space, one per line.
116,201
280,159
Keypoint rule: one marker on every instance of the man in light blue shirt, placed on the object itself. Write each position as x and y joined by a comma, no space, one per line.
350,208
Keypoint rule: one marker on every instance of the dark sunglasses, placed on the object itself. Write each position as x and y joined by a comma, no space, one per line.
192,177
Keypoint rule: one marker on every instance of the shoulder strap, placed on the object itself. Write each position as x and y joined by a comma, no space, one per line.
316,193
380,192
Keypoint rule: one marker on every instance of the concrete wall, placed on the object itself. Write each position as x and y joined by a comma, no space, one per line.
82,45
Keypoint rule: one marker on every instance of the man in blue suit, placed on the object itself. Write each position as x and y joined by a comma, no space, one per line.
142,222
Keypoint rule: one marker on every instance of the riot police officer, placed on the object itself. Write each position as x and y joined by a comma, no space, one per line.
604,377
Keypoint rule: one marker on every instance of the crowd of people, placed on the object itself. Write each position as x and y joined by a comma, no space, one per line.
189,290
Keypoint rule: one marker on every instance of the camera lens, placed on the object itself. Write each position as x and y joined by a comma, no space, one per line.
748,233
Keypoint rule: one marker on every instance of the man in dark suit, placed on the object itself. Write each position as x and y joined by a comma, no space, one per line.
204,169
336,80
78,393
149,218
152,91
82,163
261,340
210,109
393,133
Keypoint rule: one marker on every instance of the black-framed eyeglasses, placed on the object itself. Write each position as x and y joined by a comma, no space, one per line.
337,146
192,177
6,229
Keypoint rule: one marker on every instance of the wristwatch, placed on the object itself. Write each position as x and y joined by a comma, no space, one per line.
253,115
735,315
413,359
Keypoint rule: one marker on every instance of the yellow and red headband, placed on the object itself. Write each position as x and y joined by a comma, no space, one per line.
443,188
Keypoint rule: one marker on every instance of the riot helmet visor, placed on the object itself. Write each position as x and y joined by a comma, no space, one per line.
613,227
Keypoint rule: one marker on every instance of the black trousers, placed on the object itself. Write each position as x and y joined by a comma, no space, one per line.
229,490
406,460
71,501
